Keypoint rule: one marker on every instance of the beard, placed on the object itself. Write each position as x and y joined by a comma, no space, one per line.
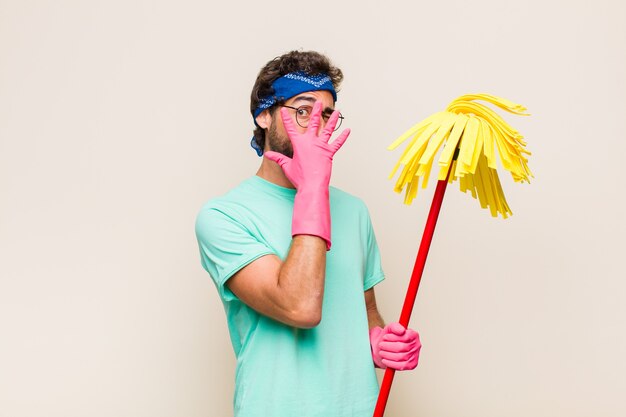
278,142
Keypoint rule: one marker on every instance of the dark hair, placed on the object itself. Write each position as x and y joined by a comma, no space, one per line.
310,62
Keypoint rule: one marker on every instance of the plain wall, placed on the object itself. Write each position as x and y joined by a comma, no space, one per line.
119,119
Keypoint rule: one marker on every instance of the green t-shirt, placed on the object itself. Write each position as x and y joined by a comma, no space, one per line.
283,371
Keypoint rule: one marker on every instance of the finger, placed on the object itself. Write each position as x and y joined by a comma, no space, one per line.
397,347
279,158
399,366
397,356
396,328
316,116
390,337
290,126
412,333
330,125
341,139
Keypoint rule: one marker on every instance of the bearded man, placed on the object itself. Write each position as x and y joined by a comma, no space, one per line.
300,301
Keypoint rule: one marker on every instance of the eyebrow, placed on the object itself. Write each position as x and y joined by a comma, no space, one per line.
312,101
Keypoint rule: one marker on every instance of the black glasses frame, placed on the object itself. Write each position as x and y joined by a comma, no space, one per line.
325,115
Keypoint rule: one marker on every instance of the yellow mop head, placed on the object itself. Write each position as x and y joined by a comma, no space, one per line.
476,131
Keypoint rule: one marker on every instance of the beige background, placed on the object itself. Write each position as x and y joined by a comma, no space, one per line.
118,119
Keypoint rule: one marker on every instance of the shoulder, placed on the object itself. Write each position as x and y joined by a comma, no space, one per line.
240,195
344,197
223,208
344,200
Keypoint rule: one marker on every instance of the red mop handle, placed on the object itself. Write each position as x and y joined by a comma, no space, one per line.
414,284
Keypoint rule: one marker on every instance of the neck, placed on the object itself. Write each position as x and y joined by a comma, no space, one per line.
272,172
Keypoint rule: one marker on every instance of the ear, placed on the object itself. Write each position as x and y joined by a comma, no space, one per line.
264,119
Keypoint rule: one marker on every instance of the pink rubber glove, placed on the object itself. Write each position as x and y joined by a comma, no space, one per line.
309,171
395,347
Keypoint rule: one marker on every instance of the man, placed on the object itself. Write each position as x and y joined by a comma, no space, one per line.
299,299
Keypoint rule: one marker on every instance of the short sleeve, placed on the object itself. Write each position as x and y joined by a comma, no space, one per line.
225,246
373,268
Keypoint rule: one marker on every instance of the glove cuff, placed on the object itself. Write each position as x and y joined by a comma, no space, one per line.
376,334
311,213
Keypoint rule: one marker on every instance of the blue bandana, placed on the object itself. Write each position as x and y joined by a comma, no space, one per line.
291,85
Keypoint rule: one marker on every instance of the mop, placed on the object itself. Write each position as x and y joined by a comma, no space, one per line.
470,133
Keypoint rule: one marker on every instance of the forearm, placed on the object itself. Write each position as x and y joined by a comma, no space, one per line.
374,318
300,282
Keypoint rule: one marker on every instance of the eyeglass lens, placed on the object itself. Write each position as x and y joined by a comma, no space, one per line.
303,115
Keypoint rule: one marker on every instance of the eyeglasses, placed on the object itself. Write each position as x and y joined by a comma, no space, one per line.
303,115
